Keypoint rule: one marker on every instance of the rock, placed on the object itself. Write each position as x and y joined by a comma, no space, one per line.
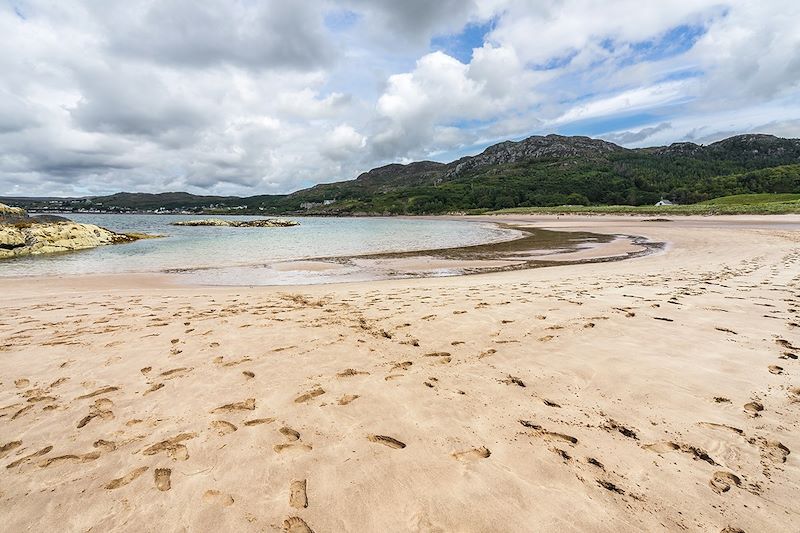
536,147
261,223
49,218
11,214
24,235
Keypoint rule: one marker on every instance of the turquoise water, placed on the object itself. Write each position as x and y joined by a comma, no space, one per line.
245,255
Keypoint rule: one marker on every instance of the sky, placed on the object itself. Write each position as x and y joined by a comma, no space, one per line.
244,97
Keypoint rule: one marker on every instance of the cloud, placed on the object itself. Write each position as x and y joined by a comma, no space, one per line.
420,108
626,102
246,97
632,137
202,33
342,143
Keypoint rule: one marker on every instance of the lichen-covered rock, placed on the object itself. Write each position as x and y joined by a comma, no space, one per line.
32,238
261,223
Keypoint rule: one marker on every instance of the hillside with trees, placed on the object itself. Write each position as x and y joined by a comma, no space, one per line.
539,171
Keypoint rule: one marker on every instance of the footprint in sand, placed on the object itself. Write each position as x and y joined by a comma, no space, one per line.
667,446
548,435
247,405
594,462
59,381
794,394
248,374
105,445
259,421
6,448
98,392
347,398
386,441
298,496
662,447
513,380
309,395
223,427
612,425
753,408
723,481
216,497
91,456
161,477
290,434
772,450
154,387
404,365
350,372
43,451
295,524
175,373
100,409
172,447
22,383
487,353
472,454
292,446
775,369
127,478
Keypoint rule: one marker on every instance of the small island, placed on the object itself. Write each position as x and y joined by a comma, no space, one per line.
22,234
218,222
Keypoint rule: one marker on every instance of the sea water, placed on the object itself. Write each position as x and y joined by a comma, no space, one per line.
244,255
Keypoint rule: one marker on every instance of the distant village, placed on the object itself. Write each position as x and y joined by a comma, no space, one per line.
87,205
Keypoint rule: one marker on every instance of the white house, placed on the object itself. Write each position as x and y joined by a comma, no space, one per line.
664,202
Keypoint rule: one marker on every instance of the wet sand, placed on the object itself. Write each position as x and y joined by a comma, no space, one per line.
528,247
657,393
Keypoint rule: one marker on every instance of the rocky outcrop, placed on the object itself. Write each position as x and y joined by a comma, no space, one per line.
262,223
536,147
24,235
11,214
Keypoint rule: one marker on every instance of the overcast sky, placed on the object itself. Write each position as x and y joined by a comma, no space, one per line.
270,96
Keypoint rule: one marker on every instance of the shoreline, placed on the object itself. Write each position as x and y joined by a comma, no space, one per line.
531,248
613,226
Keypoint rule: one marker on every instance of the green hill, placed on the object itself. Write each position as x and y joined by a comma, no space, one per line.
540,171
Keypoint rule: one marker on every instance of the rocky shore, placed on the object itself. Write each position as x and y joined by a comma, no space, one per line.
261,223
21,234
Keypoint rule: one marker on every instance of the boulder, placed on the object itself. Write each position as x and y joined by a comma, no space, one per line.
11,214
23,235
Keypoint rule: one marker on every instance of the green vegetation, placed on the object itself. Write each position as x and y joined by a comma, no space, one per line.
740,204
618,181
677,210
751,199
539,173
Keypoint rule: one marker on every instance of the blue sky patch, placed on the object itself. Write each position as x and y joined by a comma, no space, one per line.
676,41
460,45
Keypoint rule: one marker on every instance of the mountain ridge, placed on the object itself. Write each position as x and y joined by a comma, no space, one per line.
538,170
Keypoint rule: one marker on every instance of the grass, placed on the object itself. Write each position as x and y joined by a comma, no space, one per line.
742,204
751,199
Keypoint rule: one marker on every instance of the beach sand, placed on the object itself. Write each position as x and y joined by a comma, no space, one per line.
659,393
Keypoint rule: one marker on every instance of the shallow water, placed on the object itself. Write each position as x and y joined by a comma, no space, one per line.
245,255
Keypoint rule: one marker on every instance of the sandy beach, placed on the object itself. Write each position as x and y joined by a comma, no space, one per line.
658,393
